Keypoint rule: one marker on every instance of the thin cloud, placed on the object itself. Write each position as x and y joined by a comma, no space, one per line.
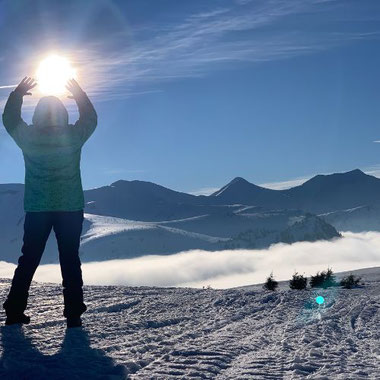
282,185
226,269
123,64
373,170
204,41
8,86
205,191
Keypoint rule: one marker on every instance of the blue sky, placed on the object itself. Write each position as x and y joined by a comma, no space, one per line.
191,94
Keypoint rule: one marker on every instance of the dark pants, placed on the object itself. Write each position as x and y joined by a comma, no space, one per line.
67,226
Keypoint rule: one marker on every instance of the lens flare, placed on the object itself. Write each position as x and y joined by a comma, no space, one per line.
53,73
319,300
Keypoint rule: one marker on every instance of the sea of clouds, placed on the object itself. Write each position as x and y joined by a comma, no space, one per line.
225,269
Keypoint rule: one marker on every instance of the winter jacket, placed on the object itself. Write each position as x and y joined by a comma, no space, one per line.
52,150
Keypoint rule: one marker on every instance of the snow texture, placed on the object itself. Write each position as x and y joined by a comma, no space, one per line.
184,333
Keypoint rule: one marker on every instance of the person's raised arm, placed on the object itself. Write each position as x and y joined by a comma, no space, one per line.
12,119
88,119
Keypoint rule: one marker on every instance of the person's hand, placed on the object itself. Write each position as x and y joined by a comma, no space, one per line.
74,88
25,86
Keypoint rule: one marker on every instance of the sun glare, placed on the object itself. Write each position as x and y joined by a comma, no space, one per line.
53,74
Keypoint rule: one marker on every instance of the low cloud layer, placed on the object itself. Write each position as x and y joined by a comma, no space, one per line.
225,269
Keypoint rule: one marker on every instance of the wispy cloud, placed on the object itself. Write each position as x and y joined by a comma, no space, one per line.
226,268
133,62
373,170
282,185
204,191
242,32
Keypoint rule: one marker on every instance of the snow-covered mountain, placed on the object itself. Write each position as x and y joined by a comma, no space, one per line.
106,238
139,200
339,191
320,194
145,201
241,191
357,219
299,228
171,333
133,218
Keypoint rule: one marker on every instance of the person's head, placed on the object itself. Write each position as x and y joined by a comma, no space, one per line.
50,112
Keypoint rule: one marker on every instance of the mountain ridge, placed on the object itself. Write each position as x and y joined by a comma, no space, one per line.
236,180
129,218
144,200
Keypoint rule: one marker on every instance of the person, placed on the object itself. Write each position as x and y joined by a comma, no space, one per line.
53,196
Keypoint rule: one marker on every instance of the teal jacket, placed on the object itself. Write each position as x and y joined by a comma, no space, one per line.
51,155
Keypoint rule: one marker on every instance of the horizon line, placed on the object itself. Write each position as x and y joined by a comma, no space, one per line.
276,186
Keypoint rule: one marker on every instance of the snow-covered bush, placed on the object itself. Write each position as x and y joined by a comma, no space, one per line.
270,283
324,279
350,281
298,281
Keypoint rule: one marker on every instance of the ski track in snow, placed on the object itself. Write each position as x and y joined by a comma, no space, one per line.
108,225
183,333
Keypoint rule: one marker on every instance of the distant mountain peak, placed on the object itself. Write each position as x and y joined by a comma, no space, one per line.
238,180
236,183
119,182
125,182
356,172
351,173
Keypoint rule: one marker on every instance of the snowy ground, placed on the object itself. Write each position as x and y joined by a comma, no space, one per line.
163,333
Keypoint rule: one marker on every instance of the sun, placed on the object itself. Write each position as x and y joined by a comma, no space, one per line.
53,73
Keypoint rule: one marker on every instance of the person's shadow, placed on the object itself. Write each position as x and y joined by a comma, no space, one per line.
75,360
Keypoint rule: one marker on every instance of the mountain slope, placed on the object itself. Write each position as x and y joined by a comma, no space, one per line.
299,228
339,191
171,333
320,194
240,191
146,201
105,237
252,216
357,219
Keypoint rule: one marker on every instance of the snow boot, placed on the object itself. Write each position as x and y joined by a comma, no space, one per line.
74,322
20,318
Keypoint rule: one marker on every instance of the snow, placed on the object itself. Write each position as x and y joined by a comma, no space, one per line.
357,219
108,237
102,226
165,333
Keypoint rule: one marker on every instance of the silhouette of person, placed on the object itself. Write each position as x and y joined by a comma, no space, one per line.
76,359
53,193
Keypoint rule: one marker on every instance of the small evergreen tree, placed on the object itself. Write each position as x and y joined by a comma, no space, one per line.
317,280
325,279
350,281
298,281
271,283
